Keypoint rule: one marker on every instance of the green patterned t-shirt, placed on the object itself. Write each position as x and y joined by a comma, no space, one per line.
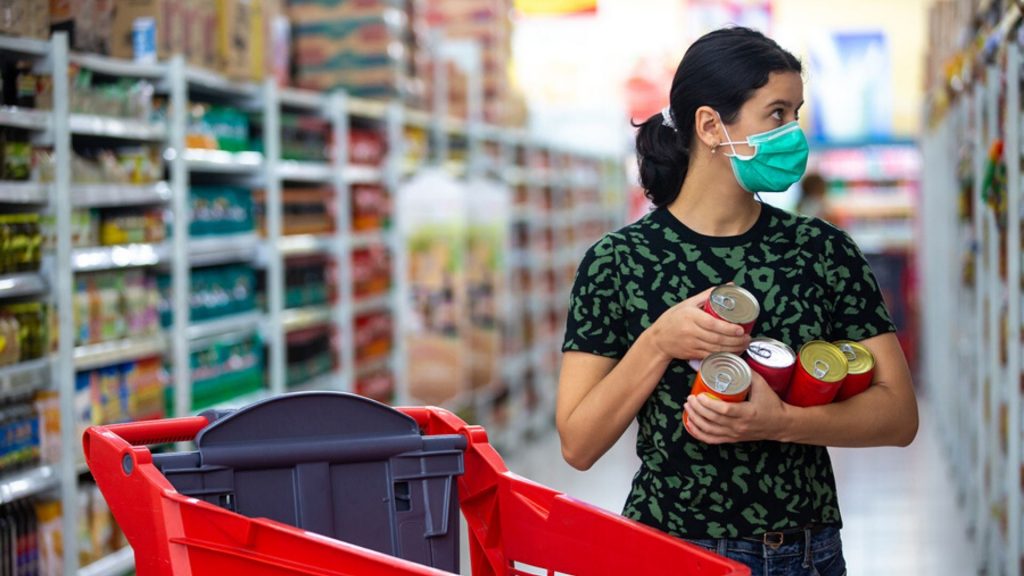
812,282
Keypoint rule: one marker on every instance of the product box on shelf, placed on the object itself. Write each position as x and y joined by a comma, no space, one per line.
305,210
221,210
166,17
310,353
367,147
371,271
88,22
309,281
378,385
27,18
200,33
374,334
433,232
225,370
363,54
241,38
371,208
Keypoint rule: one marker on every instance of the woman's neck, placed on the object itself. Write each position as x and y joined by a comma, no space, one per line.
715,205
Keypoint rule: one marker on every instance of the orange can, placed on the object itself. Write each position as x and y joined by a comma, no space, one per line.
861,372
724,376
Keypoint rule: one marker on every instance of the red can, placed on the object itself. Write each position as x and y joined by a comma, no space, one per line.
723,376
820,370
861,372
735,305
773,360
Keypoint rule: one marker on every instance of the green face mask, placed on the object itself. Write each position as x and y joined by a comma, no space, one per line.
779,159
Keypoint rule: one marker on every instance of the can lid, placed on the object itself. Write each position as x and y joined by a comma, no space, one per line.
824,361
771,353
725,373
859,358
734,304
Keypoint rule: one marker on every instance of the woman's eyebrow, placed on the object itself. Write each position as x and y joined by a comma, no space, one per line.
782,102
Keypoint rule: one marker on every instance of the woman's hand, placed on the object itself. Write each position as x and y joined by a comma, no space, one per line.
716,422
687,332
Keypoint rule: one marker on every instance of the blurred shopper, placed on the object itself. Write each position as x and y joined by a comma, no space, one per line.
751,480
813,194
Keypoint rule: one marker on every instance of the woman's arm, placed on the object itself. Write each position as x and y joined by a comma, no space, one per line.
598,397
883,415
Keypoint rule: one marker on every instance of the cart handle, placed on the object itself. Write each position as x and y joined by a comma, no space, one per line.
159,431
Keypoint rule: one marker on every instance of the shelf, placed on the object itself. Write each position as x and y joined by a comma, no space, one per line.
303,99
514,367
221,162
363,175
372,304
367,239
26,377
25,118
117,564
115,195
114,257
515,176
519,259
24,192
418,119
304,244
118,67
369,109
89,125
214,250
18,285
329,381
108,353
317,172
208,329
211,83
25,46
239,401
374,365
295,319
25,483
456,168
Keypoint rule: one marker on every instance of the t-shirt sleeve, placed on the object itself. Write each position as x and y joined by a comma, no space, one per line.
596,322
858,308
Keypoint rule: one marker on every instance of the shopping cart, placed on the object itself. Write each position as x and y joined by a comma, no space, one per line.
516,527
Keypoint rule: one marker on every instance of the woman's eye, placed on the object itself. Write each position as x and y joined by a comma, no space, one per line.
777,114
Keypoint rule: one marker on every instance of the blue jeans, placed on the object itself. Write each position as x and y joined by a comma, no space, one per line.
807,554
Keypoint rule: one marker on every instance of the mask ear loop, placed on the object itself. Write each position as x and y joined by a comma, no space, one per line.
732,144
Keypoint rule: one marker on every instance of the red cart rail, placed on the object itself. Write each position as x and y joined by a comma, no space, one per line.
516,526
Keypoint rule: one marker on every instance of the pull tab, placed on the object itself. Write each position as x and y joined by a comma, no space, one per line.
762,351
821,369
727,302
851,354
722,381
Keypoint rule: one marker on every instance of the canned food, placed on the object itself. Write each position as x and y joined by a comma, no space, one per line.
821,368
861,371
735,305
723,376
773,360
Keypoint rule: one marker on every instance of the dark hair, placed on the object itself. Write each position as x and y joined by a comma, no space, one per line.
722,70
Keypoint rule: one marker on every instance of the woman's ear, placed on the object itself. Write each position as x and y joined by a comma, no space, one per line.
707,125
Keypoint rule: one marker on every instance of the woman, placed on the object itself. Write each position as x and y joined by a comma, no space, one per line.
752,481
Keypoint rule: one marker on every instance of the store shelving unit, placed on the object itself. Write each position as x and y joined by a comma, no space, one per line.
972,310
528,369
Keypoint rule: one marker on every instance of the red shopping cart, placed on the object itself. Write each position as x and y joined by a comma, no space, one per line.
516,527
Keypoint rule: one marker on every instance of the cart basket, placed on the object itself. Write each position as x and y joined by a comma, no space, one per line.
516,527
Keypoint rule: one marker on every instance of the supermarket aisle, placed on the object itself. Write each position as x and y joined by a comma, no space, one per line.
898,504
